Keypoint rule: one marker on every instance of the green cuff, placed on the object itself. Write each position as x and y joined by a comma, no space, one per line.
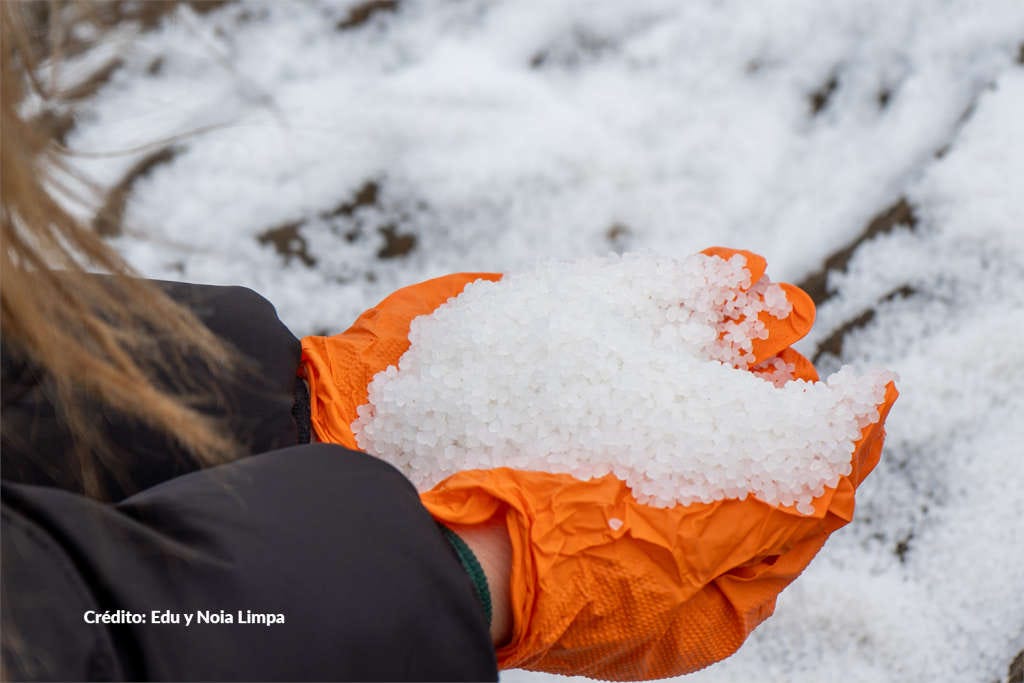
473,568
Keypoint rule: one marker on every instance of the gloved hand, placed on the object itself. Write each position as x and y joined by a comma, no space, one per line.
340,368
601,585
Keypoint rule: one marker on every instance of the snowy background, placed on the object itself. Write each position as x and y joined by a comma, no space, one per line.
327,153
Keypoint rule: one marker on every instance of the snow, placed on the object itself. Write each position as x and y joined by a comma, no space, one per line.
501,132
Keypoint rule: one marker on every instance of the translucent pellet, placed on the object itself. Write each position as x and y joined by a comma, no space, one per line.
638,366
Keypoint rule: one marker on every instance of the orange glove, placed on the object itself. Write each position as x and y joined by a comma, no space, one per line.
601,585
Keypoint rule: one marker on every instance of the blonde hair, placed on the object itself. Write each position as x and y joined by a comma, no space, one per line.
101,342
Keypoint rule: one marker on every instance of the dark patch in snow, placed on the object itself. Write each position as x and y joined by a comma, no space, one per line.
395,243
363,12
968,112
108,220
366,195
619,236
884,97
1020,60
753,66
900,213
902,547
252,13
95,81
1015,674
100,16
288,242
902,293
581,46
833,344
823,95
149,14
156,67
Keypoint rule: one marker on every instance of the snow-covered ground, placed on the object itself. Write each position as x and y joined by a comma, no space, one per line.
325,161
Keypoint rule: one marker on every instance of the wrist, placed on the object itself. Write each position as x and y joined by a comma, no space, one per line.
492,548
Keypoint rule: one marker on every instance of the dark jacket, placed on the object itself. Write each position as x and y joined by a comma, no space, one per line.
309,562
253,402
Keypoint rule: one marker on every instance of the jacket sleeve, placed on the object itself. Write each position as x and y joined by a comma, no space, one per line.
253,402
334,544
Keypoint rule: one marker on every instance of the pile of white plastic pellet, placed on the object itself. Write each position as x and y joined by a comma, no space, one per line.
634,365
